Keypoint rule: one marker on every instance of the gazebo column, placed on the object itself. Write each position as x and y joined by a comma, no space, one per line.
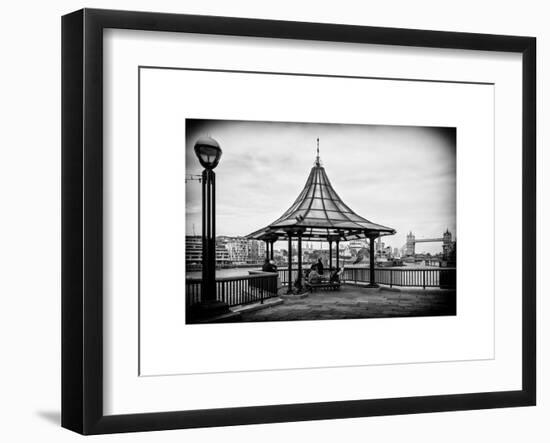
299,278
338,254
267,249
372,248
329,255
289,291
271,251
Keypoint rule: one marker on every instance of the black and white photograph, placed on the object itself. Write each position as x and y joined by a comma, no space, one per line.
293,221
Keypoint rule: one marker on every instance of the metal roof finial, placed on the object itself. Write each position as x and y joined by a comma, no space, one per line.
318,161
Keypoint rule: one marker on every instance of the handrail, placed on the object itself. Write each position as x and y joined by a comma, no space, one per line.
235,291
425,277
260,285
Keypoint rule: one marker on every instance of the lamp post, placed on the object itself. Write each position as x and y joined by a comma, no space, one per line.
208,152
372,238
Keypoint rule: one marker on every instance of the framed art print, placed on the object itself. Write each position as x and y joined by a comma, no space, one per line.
270,221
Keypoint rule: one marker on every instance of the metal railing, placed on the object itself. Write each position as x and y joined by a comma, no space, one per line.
283,275
236,290
444,278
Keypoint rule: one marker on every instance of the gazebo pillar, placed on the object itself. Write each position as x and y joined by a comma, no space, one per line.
329,255
372,284
271,251
289,291
299,278
338,254
267,249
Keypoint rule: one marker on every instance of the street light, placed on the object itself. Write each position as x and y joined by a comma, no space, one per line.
208,152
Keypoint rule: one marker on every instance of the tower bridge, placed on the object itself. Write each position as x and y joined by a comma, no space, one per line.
410,245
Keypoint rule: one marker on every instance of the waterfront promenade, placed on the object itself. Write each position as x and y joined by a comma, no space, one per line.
352,302
399,292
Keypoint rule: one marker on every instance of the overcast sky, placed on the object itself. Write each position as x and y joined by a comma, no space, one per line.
397,176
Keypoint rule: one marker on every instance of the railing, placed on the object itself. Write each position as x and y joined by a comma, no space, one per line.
283,275
236,290
444,278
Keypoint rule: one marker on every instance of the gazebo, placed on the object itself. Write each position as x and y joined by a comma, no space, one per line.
319,214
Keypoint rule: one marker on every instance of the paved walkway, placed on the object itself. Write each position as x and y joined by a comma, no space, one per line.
356,302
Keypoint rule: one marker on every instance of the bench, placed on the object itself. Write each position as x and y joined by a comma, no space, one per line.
323,284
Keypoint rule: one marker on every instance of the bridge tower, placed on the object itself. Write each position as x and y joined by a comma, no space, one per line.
409,247
447,242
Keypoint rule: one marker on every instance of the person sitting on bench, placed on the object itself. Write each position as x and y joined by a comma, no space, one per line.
336,274
269,266
320,268
313,277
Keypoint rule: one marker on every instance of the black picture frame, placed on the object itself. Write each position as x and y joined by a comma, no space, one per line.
82,220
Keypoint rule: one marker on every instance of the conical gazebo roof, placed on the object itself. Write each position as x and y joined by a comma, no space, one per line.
319,212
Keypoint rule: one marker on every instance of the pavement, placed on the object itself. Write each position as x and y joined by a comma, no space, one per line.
352,302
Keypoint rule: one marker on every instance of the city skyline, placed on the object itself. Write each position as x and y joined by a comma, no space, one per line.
239,251
282,245
400,176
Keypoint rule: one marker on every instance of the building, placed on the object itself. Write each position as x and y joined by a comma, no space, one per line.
193,252
256,251
237,248
242,250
